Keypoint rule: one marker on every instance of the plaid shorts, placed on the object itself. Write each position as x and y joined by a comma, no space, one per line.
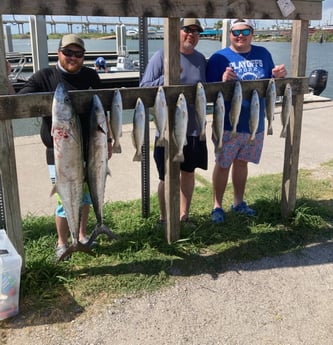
240,148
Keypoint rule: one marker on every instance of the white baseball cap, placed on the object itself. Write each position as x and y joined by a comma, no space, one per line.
239,22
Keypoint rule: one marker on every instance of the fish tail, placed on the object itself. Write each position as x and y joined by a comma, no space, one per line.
79,247
179,157
160,142
283,133
116,148
270,130
137,157
101,229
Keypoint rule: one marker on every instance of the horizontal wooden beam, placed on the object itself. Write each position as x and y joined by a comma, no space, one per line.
40,104
255,9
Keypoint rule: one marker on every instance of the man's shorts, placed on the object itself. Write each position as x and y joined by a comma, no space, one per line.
195,156
240,148
60,212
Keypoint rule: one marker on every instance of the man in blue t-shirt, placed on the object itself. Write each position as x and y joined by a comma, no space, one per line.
240,61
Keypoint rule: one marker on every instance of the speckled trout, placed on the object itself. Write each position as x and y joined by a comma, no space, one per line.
236,105
218,122
254,115
116,120
180,127
270,104
200,110
138,132
68,156
97,166
286,110
160,112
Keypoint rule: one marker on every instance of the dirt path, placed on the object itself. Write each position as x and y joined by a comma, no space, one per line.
281,300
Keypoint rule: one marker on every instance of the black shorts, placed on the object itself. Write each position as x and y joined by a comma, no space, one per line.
195,156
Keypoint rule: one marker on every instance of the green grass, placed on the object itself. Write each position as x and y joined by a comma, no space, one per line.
142,260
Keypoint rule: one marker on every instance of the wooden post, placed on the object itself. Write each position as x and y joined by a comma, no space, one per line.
293,140
8,166
171,77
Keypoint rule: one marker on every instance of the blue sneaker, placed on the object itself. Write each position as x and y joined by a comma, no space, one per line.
243,209
217,215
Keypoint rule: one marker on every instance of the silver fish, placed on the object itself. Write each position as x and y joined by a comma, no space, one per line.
97,166
270,104
286,109
236,105
116,120
200,110
160,112
68,156
218,122
138,132
179,131
254,115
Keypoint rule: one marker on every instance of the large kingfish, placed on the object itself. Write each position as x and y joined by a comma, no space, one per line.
160,112
97,166
218,122
138,132
200,110
180,129
236,106
254,115
68,156
116,120
286,109
270,104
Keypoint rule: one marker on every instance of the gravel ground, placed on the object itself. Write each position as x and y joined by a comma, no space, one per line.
281,300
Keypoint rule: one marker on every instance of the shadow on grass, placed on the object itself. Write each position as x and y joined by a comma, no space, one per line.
142,260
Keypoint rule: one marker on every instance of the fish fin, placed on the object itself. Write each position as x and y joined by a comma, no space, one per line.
79,247
270,131
101,229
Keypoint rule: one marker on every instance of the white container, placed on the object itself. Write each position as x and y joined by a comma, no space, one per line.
10,276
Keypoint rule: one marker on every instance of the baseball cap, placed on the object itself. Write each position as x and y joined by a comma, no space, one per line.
71,39
191,21
239,22
100,61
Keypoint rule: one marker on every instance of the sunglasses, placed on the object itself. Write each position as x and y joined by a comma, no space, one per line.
77,53
188,30
244,32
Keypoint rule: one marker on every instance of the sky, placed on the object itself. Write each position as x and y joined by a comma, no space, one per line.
327,19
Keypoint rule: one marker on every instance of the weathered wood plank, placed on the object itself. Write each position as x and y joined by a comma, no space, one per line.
293,140
8,168
172,170
39,104
256,9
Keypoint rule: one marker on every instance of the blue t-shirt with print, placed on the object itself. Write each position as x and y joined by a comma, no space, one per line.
256,64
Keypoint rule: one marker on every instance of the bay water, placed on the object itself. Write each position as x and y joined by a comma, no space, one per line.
319,56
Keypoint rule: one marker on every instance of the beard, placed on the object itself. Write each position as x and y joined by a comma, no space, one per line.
188,45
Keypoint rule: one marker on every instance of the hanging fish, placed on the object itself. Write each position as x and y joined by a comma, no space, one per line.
236,105
138,132
200,110
116,120
180,129
270,104
160,112
218,122
254,115
286,109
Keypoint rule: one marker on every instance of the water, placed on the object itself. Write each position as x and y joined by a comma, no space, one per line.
320,56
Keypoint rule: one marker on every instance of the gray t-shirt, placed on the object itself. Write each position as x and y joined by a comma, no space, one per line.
193,67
